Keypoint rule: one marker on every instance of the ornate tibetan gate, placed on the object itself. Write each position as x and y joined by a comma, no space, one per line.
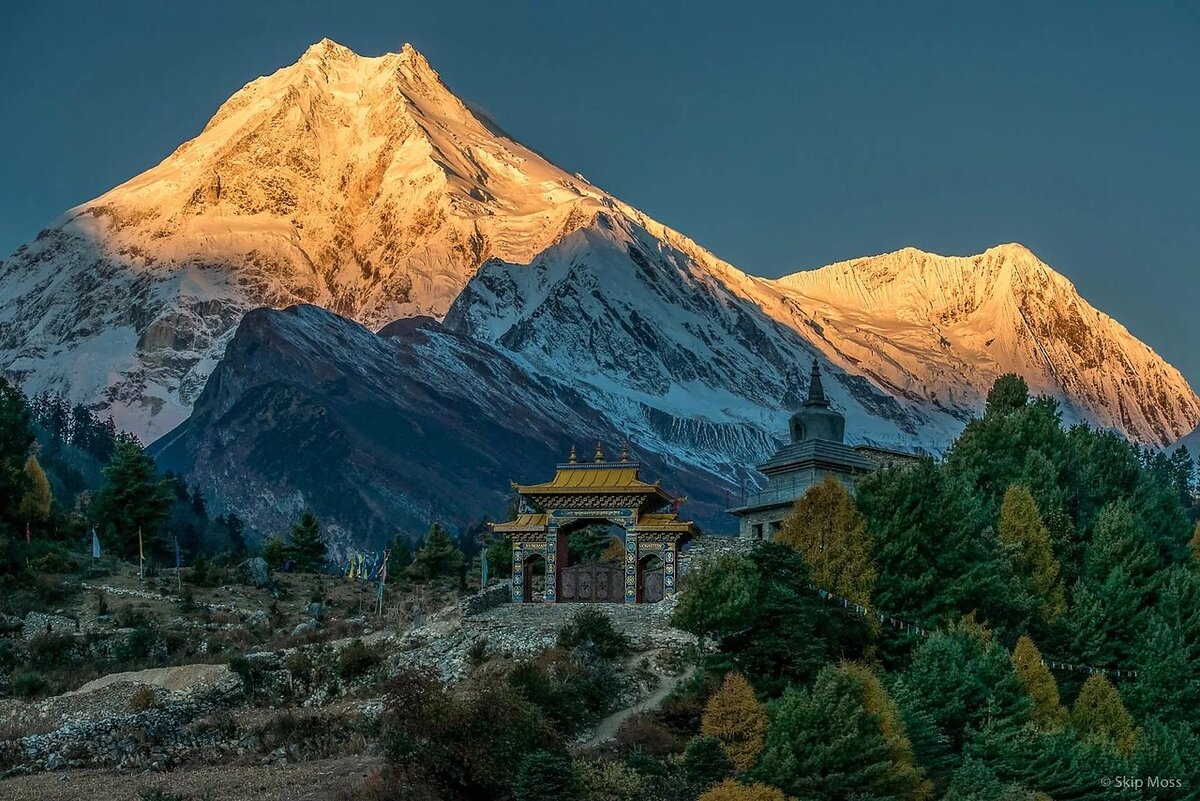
598,492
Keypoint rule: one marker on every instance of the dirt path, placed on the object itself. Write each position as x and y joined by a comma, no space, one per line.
322,780
607,728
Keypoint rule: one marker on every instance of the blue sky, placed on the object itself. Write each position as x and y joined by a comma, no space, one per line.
781,136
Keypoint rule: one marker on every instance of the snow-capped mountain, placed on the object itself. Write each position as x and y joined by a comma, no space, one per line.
359,184
942,329
365,186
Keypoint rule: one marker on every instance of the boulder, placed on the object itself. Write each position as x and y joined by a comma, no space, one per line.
307,627
254,572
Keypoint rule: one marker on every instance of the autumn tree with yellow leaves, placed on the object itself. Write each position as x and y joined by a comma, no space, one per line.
827,529
737,720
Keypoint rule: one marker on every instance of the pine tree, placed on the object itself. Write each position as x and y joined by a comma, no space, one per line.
274,551
705,762
1121,571
1099,714
1168,654
823,744
908,780
399,558
234,528
731,790
737,720
439,557
587,544
965,678
1048,711
499,556
36,503
827,529
937,556
307,546
1009,393
546,776
719,598
1021,529
974,781
133,498
1194,543
1168,750
16,435
767,622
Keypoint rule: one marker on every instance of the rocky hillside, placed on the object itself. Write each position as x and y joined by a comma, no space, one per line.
379,433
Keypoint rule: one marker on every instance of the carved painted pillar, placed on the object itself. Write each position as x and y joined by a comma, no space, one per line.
518,572
631,566
670,558
550,594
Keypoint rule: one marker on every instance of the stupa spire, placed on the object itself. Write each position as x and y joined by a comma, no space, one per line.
816,391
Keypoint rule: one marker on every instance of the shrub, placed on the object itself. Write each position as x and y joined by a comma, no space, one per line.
477,654
220,723
29,685
705,762
470,742
643,734
546,776
592,628
246,670
299,665
571,689
50,651
8,654
158,793
138,646
143,698
356,659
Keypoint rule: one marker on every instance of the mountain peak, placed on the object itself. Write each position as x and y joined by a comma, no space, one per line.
1012,250
327,47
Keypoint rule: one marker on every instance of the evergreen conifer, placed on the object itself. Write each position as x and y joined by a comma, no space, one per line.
133,498
307,546
439,557
823,744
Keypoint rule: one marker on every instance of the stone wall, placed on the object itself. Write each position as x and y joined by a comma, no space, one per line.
488,598
706,547
38,623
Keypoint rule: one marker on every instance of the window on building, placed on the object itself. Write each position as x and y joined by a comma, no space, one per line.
758,531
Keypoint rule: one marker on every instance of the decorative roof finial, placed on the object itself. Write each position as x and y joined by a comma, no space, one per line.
571,458
625,451
816,392
599,452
